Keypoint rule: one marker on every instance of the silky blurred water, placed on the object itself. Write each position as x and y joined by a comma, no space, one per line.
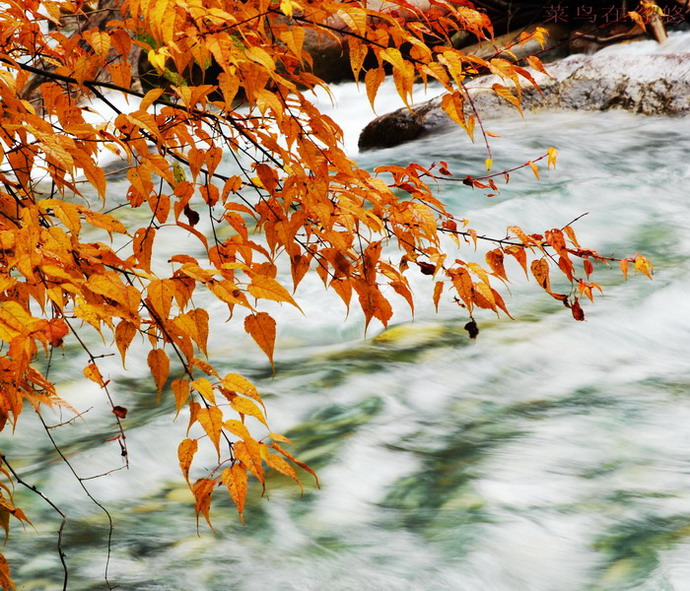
547,455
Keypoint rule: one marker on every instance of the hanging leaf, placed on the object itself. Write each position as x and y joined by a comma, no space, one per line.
235,479
211,420
159,364
185,453
262,328
202,490
268,288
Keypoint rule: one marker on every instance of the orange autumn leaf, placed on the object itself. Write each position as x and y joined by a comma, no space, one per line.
92,372
540,270
281,465
185,453
494,258
181,391
262,328
211,420
124,335
267,288
294,460
159,364
247,407
438,290
130,212
202,490
237,428
5,579
237,383
235,479
249,454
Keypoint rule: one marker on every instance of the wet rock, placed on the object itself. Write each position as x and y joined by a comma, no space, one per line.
399,127
646,84
330,55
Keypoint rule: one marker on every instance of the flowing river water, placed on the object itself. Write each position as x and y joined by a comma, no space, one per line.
547,455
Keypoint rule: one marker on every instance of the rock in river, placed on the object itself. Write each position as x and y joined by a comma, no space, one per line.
646,84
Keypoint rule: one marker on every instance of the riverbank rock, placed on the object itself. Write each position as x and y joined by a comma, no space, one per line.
646,84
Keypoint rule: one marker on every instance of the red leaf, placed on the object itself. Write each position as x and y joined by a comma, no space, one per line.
577,311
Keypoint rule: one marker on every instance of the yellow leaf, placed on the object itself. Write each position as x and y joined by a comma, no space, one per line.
535,169
249,454
235,478
293,459
267,288
146,122
202,489
247,407
181,391
100,41
535,62
277,463
205,366
552,154
109,286
67,213
204,387
226,291
104,221
211,420
286,7
200,318
642,265
237,428
506,94
14,320
261,56
92,372
262,328
279,437
372,80
185,454
160,294
237,383
358,52
157,60
124,334
354,17
452,104
149,98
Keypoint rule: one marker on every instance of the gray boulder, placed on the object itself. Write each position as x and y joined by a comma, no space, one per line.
646,84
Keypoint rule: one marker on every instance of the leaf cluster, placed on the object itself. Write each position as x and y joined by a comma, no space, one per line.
239,165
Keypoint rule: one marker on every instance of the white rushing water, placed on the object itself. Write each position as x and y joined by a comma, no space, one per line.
548,455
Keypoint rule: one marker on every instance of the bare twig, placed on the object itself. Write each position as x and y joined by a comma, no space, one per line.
63,516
